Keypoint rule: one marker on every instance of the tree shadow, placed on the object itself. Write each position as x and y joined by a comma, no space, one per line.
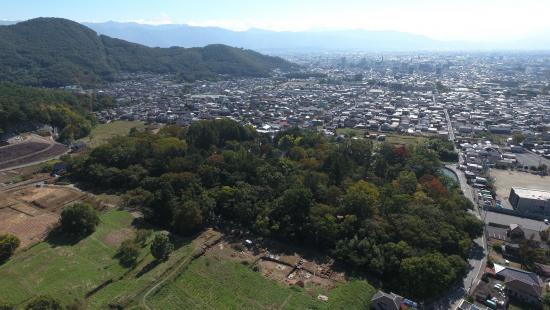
56,237
477,252
147,268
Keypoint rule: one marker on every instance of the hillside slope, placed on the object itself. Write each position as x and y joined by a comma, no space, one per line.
54,52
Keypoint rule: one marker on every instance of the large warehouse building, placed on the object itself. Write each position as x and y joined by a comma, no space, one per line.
530,201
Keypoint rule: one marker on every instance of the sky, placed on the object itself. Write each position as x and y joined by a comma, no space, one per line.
464,20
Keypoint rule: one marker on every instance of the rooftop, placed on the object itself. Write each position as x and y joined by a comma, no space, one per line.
537,194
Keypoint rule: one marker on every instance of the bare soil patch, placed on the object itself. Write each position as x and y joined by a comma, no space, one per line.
50,198
288,268
116,237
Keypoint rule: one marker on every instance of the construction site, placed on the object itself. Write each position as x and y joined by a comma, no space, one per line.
274,261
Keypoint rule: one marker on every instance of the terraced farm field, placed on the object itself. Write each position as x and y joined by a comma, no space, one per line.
34,150
12,152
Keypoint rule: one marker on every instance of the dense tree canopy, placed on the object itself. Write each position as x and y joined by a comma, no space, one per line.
382,209
79,220
56,52
69,113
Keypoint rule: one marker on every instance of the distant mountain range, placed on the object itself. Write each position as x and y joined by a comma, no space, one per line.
189,36
56,52
263,40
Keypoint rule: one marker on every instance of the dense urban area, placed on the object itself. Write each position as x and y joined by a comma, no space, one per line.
342,180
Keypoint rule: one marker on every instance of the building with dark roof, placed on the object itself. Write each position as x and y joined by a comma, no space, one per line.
520,284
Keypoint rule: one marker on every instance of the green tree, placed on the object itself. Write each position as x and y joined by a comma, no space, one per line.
188,218
79,220
44,303
406,182
161,247
361,199
424,276
128,253
8,244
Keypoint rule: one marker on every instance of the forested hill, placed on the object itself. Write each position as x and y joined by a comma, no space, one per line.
55,52
21,106
386,211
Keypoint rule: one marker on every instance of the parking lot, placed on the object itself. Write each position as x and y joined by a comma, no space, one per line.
506,179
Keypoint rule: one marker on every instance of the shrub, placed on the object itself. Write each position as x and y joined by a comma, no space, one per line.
44,303
6,306
8,245
497,247
128,253
161,247
142,235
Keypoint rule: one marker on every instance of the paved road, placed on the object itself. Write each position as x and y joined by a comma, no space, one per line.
450,126
478,254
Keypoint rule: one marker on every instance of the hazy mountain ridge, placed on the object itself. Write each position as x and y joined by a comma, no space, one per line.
56,52
190,36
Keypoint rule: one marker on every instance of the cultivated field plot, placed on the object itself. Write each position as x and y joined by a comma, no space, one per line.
12,152
27,223
31,212
46,154
34,149
506,179
50,198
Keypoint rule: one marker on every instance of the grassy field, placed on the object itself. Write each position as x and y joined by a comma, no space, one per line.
355,294
68,272
210,283
390,137
103,132
214,283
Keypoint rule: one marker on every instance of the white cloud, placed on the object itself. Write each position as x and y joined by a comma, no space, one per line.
162,19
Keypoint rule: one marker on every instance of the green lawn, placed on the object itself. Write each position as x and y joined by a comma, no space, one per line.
392,138
213,283
68,272
103,132
355,294
210,283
